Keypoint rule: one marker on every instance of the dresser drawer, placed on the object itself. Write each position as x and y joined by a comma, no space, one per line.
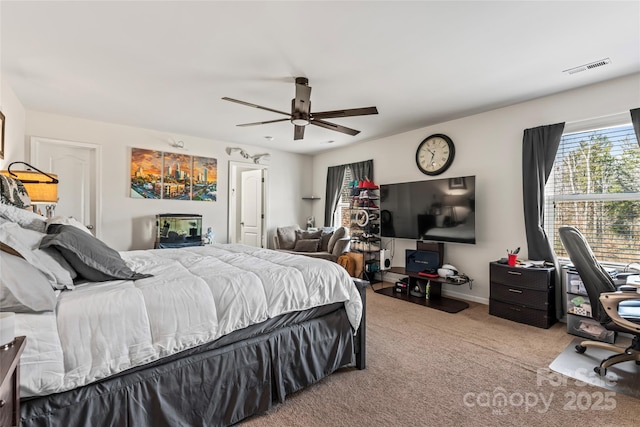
522,296
521,314
530,278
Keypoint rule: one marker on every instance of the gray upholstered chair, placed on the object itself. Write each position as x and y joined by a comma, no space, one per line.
326,243
616,310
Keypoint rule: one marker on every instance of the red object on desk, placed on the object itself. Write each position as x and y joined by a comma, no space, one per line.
429,275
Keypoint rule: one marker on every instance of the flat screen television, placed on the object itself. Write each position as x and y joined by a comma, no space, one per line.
440,210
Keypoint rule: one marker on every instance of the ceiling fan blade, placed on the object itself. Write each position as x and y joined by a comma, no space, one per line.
302,101
248,104
298,132
335,127
263,123
345,113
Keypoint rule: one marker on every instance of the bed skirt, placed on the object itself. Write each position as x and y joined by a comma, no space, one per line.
213,385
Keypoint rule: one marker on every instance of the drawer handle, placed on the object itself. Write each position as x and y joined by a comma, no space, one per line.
516,291
517,273
514,308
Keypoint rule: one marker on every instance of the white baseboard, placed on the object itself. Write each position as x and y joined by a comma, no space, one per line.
466,297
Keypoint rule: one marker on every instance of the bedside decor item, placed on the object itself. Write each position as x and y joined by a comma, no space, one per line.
435,154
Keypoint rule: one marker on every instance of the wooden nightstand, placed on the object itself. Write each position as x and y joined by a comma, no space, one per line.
10,382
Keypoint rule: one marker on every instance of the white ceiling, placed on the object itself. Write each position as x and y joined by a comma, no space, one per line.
166,65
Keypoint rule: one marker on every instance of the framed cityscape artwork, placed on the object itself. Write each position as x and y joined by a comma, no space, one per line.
173,176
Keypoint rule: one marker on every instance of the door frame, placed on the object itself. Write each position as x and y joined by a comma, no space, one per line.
233,219
96,149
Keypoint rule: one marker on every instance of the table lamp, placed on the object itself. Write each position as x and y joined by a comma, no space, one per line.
41,187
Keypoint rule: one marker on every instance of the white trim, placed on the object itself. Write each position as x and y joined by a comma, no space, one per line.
596,123
35,142
232,212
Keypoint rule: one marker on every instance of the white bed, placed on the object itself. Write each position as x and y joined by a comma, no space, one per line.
228,330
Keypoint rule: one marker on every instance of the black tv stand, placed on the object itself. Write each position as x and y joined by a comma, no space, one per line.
436,300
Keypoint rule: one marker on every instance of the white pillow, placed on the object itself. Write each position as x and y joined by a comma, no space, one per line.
68,221
26,243
24,218
23,288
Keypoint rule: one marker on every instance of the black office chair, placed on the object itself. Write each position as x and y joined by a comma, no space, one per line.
615,309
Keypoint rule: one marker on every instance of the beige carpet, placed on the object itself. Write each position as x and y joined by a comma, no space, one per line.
426,367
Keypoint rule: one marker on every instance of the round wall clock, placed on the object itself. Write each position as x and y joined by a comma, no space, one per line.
435,154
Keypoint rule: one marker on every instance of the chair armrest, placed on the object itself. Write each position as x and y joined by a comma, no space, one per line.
610,301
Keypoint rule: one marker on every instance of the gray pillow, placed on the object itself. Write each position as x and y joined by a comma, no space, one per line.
306,245
23,288
337,235
91,258
287,236
304,234
324,241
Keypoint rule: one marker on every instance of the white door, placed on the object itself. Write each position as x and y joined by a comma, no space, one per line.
251,208
76,165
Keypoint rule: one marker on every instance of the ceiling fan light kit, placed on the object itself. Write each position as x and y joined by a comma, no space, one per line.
302,116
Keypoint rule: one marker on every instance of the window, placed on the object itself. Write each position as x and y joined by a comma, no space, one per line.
595,186
341,216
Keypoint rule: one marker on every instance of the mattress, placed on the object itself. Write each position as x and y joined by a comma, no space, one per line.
195,296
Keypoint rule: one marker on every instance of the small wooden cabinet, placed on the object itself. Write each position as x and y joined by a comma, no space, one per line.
524,295
10,382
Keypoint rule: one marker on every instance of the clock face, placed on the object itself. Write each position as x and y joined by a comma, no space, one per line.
435,154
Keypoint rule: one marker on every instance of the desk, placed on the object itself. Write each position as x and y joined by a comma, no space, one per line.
436,300
634,280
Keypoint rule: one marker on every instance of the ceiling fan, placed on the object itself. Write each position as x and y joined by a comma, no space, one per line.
302,116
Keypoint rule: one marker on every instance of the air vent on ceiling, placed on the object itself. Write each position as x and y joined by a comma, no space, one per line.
588,66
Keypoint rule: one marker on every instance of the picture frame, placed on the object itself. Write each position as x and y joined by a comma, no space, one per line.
172,176
457,183
1,135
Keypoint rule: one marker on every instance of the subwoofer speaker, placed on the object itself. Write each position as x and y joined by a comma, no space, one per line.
385,259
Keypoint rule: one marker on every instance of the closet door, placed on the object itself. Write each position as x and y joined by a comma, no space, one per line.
76,167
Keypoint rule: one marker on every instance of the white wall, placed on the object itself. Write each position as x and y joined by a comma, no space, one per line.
14,117
129,223
489,146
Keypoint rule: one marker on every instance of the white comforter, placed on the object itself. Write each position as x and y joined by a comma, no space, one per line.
196,295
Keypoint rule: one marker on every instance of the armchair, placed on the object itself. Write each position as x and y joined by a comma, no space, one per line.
616,310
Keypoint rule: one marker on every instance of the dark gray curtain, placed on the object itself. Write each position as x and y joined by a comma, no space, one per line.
362,170
539,147
335,177
635,119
